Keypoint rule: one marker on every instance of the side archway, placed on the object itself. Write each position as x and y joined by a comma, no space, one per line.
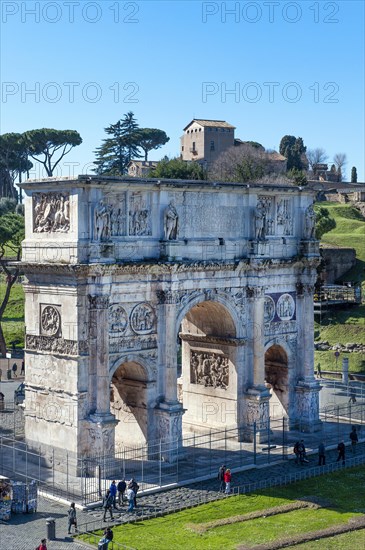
130,401
277,380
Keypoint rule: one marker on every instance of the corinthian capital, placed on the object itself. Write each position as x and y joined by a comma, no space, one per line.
98,301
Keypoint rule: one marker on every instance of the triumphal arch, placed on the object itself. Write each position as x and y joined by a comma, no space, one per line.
122,273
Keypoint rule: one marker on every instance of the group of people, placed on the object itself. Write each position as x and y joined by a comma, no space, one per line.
225,478
301,457
121,491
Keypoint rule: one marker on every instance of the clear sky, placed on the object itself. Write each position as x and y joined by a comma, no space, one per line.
270,68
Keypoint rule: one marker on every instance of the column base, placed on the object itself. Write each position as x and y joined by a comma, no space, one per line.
257,415
169,430
306,415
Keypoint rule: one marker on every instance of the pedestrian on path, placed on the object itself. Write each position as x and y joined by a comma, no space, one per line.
2,398
227,481
108,505
341,452
321,454
319,370
221,473
354,439
14,368
134,486
121,487
72,517
130,497
1,373
43,545
113,492
352,395
22,370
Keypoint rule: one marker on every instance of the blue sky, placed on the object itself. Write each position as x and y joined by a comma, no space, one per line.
291,67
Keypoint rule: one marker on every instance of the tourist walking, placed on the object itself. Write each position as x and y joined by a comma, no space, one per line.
121,487
130,497
227,481
341,452
43,545
354,439
104,541
22,369
72,517
221,472
321,454
14,368
2,398
352,395
113,492
134,486
319,370
108,505
1,374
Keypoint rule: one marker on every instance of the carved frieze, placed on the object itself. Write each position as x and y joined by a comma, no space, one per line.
51,212
209,369
284,217
280,327
52,345
139,215
50,320
132,343
118,319
142,319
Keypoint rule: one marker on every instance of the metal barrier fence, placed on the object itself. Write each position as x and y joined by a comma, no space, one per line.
192,456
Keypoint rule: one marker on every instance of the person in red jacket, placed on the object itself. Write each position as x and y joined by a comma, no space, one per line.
43,545
227,480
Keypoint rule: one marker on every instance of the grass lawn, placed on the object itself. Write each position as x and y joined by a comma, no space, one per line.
347,325
340,500
13,320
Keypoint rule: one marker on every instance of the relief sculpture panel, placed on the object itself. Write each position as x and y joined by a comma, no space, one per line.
51,212
50,321
139,215
209,369
142,319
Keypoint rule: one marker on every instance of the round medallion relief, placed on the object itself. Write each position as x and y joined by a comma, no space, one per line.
50,321
142,319
285,307
118,319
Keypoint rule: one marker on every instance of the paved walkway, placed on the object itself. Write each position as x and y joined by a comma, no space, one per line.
24,532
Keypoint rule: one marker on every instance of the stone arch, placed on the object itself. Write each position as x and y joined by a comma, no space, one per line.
277,378
222,298
209,365
132,396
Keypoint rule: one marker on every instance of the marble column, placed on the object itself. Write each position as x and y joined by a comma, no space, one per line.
170,411
101,421
257,395
306,416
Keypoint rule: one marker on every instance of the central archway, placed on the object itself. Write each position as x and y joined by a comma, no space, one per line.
128,402
277,380
209,374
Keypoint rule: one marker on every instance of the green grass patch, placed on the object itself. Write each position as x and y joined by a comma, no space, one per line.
327,360
13,319
354,540
339,493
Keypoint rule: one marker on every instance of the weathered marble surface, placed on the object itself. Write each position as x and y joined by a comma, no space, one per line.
118,270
